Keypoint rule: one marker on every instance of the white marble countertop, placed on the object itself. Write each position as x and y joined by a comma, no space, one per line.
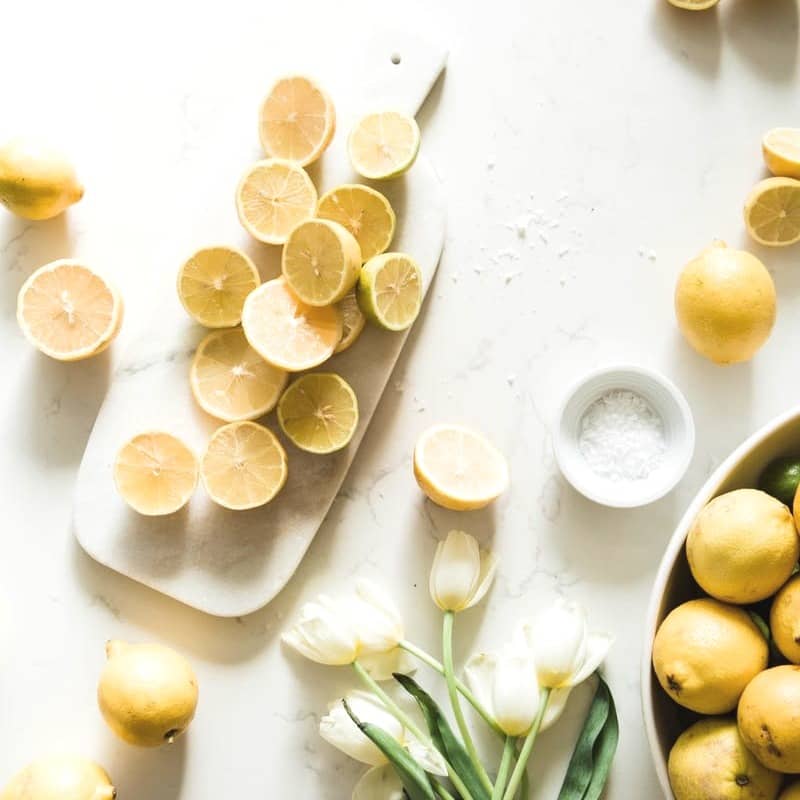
586,152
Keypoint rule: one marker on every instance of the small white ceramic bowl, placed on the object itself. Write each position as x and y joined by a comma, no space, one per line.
666,400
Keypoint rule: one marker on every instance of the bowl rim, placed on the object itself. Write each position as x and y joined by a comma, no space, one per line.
685,413
674,548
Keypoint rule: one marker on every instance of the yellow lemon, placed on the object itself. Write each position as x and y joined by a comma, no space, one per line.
769,714
156,473
781,148
68,311
772,212
36,180
244,466
353,321
694,5
389,291
383,145
710,760
147,693
705,653
273,197
297,120
743,546
725,304
60,777
784,620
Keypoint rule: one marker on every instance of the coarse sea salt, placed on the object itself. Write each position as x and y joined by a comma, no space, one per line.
622,437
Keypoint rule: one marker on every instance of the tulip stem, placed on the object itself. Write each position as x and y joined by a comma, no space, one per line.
450,679
463,689
440,789
509,748
527,747
409,723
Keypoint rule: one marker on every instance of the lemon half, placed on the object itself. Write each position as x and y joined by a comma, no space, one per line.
781,149
390,291
383,145
772,212
353,321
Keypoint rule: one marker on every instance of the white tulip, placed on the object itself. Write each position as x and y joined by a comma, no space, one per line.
377,622
566,653
461,572
379,783
324,633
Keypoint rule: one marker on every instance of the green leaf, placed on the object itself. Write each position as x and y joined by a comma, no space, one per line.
446,742
591,760
415,779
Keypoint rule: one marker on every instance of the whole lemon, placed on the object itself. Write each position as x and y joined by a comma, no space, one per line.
147,693
769,718
36,180
743,546
725,304
791,792
784,620
705,653
709,761
60,777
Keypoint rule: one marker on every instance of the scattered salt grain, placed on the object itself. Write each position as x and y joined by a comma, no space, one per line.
622,437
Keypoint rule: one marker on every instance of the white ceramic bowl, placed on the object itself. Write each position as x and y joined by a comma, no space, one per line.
665,398
664,719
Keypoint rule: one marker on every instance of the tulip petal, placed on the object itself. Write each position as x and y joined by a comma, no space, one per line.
379,783
488,570
381,666
428,758
558,637
515,691
375,618
323,633
597,647
479,672
456,571
555,707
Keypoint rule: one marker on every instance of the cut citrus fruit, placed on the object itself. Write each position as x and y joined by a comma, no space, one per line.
383,145
353,321
287,332
297,120
458,468
68,311
319,412
390,291
213,284
155,473
321,262
772,212
244,466
694,5
781,148
365,212
273,197
231,381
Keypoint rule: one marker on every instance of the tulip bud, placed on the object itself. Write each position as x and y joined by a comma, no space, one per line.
461,572
324,633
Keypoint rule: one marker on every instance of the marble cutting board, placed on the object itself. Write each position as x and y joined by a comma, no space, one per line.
232,563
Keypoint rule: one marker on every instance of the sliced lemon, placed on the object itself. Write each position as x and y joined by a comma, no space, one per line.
244,466
353,321
231,381
772,212
694,5
319,412
297,120
68,311
458,468
383,145
273,197
213,284
287,332
390,291
365,212
155,473
321,262
781,148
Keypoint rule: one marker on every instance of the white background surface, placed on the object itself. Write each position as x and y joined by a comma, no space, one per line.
632,126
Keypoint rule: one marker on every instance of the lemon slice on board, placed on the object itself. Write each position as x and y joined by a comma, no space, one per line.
353,321
273,197
287,332
155,473
772,212
366,213
244,466
213,284
231,381
321,262
68,311
297,120
458,468
781,148
319,412
390,291
383,145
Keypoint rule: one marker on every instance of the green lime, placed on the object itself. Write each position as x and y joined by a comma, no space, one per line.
389,291
780,478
